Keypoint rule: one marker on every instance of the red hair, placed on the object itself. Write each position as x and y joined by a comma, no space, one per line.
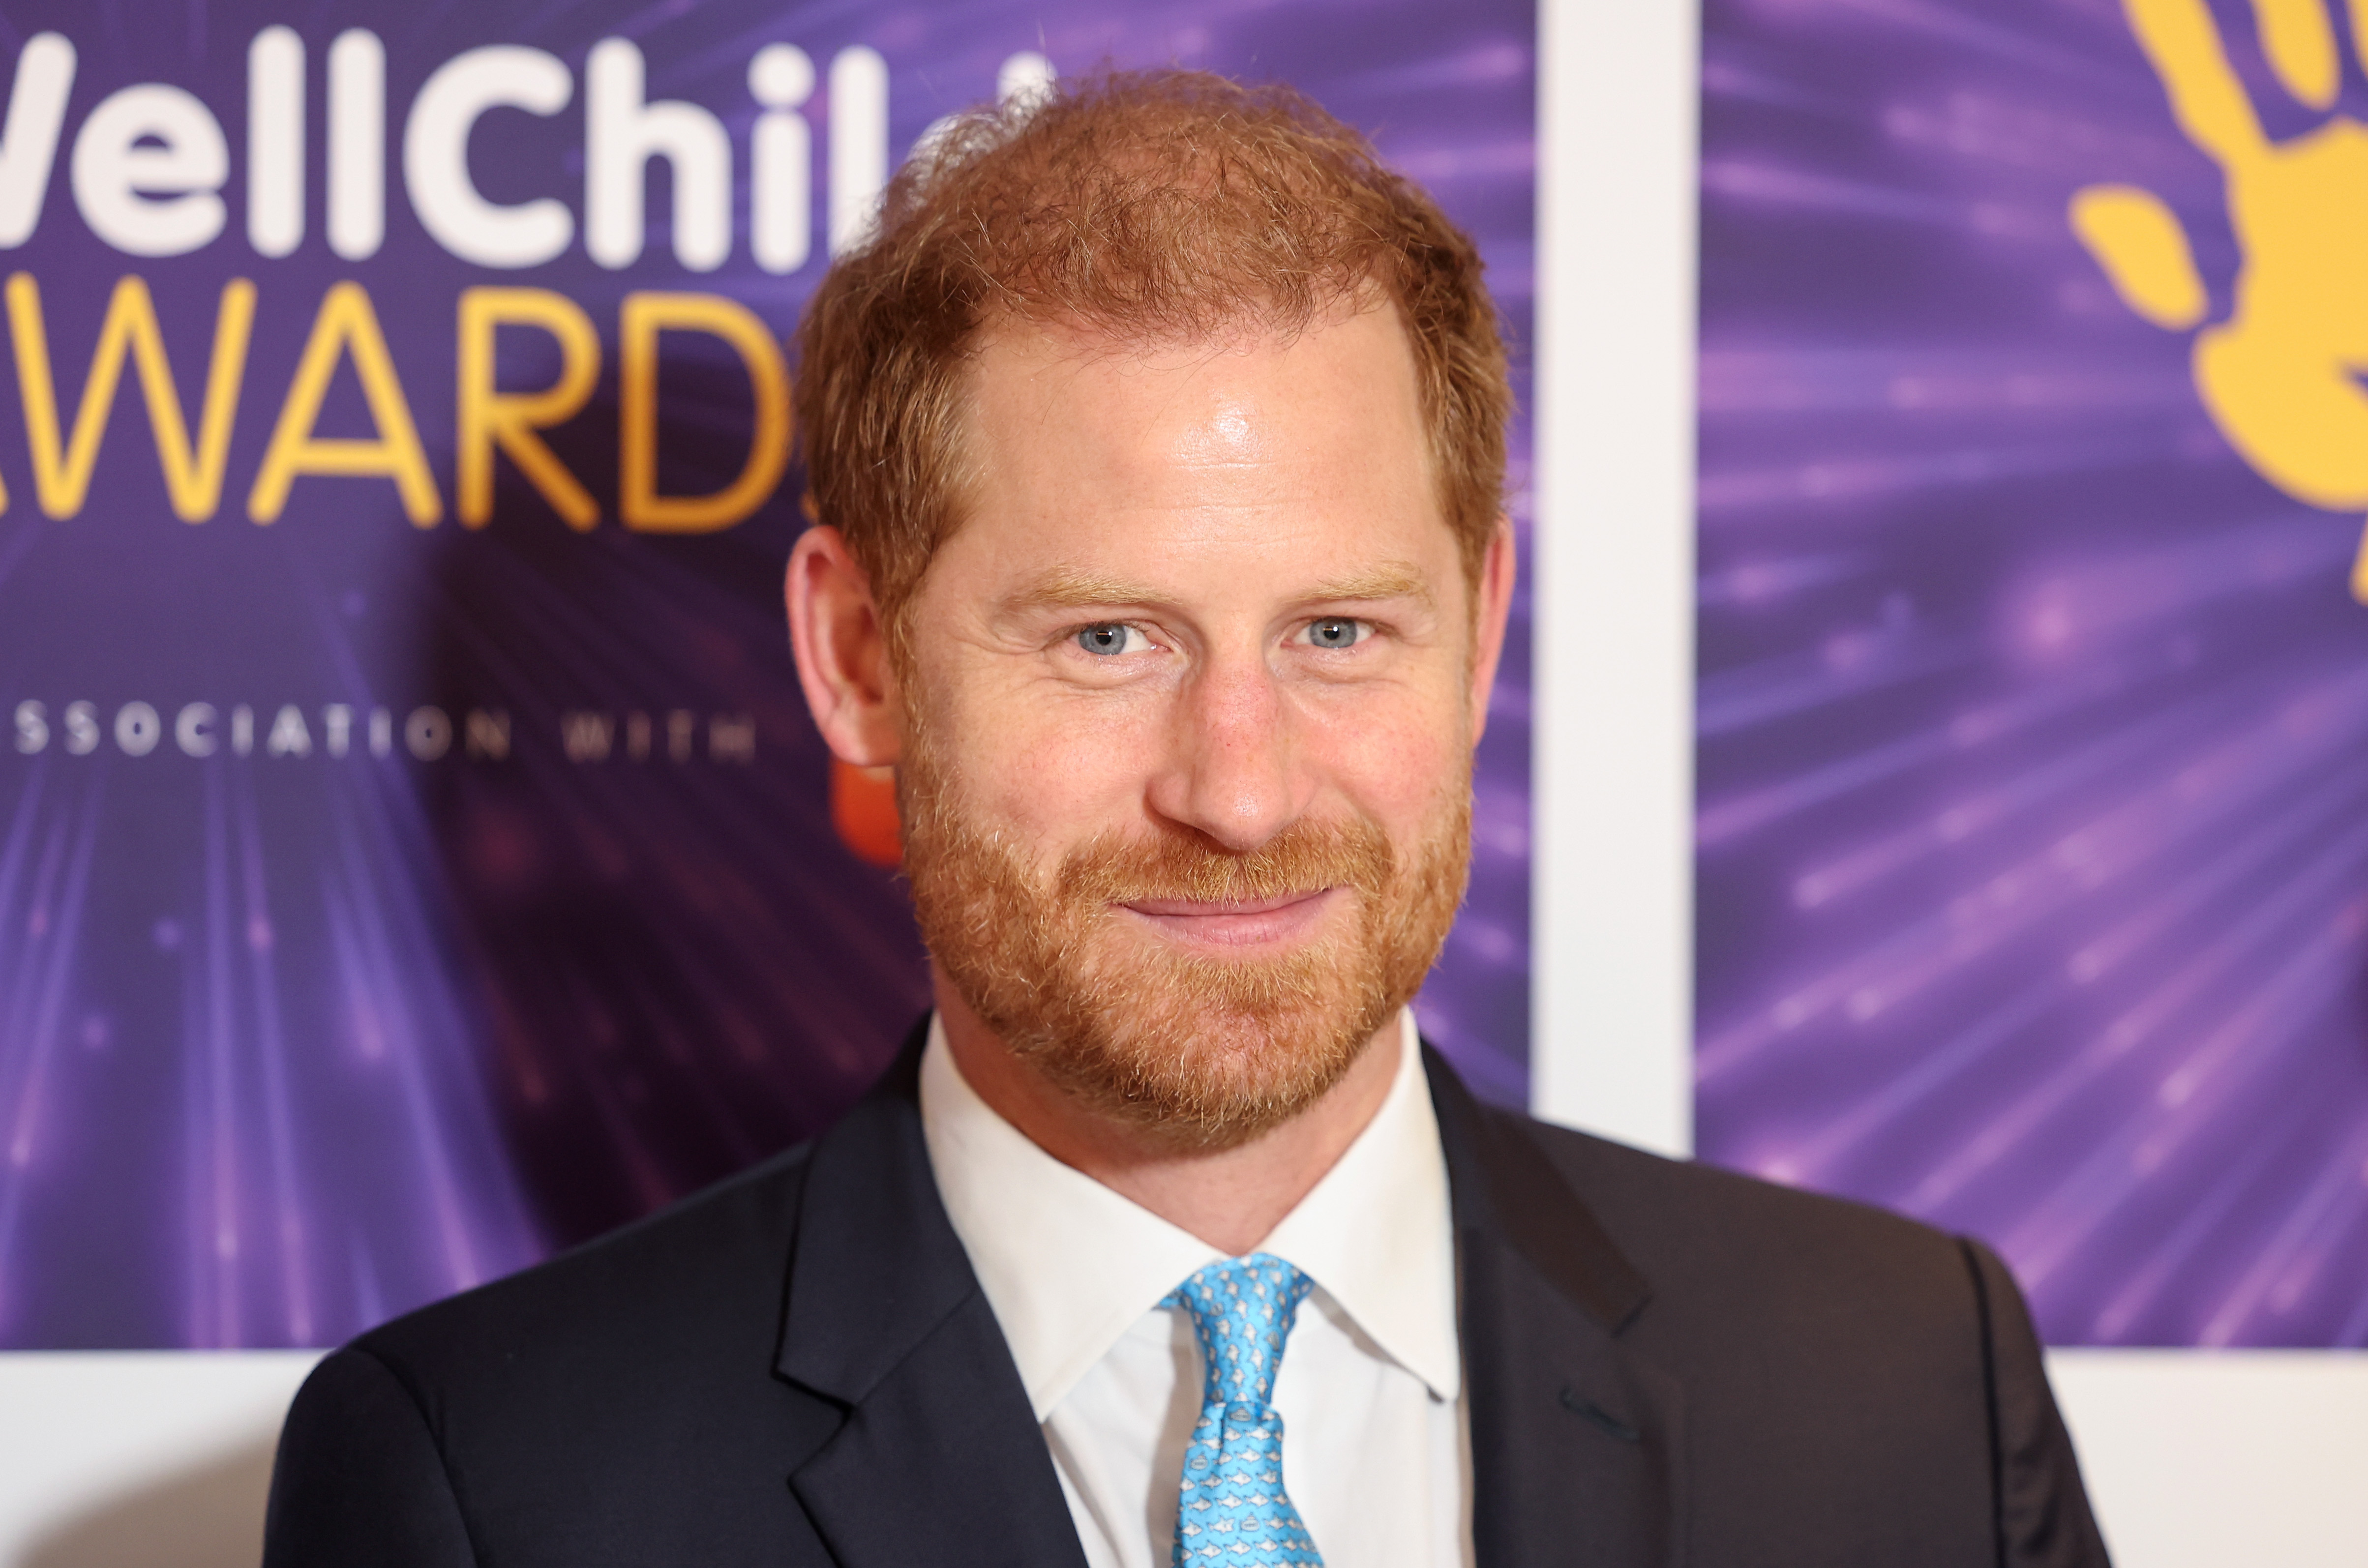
1153,207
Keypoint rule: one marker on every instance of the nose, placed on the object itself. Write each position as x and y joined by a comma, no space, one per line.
1234,769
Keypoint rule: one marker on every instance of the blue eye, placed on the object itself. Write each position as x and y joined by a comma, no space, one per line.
1109,638
1335,634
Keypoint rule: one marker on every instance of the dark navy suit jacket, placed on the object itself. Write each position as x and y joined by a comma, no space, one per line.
1666,1365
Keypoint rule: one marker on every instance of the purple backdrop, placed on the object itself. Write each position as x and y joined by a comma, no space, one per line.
2031,871
297,1032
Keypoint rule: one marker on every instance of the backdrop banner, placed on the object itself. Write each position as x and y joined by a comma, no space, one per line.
414,854
2033,704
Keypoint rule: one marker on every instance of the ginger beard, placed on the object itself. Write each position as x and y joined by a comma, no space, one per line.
1202,1052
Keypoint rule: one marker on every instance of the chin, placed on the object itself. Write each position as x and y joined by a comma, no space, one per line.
1209,1053
1198,1038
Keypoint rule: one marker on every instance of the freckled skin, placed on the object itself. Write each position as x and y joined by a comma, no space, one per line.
1199,512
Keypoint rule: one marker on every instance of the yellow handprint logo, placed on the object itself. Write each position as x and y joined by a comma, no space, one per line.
2280,376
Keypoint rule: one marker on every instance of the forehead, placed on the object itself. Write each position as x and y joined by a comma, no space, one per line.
1317,432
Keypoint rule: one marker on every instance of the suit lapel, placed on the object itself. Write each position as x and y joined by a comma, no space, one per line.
1578,1444
937,1459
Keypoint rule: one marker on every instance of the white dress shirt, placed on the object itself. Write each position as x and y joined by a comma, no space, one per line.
1375,1449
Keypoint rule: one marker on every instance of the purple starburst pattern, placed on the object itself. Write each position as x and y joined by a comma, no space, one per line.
383,906
2033,721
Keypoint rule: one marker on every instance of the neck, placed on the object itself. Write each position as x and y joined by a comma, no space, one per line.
1230,1199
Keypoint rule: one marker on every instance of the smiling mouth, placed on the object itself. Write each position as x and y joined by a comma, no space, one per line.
1235,923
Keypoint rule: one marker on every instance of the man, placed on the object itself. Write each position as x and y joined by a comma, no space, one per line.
1156,441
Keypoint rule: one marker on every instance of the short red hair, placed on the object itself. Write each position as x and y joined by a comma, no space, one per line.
1155,207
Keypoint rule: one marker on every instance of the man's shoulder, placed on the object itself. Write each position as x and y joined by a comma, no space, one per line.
609,1406
700,1275
1717,1246
1899,1361
1621,1181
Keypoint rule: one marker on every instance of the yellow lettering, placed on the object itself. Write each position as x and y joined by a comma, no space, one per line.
193,476
346,325
643,316
509,420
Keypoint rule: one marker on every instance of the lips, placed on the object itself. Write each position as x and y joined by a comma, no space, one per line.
1187,908
1285,919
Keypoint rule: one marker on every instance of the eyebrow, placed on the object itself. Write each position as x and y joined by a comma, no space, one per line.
1390,580
1066,587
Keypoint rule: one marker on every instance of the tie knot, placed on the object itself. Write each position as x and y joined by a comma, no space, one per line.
1242,1311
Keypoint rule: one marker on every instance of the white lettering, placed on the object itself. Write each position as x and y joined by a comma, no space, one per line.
137,729
147,166
780,159
382,741
242,730
82,728
192,729
732,737
427,732
435,156
357,144
275,142
289,736
585,737
338,720
32,728
1024,78
859,144
28,144
488,733
621,135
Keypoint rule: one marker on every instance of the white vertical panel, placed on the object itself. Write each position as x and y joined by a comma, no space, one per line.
1612,954
110,1459
2203,1459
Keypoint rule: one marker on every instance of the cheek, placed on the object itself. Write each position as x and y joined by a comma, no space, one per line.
1391,759
1049,769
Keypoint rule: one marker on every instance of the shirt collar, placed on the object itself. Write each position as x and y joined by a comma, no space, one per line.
1069,1265
1377,1232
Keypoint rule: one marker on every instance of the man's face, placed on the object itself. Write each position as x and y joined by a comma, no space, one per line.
1192,696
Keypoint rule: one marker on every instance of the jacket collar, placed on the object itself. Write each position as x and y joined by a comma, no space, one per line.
856,1307
1578,1443
1505,1189
885,1324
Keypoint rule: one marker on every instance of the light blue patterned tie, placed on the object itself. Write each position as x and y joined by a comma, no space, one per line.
1233,1507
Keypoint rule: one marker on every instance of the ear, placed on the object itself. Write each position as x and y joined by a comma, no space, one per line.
1492,604
842,651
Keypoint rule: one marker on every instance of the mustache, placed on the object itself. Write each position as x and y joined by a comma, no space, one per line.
1303,859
